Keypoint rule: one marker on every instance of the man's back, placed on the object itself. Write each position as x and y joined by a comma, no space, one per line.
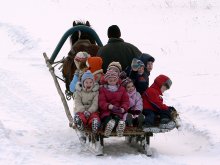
118,50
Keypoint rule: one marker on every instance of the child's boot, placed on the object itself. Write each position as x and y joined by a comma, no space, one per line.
78,122
120,128
95,125
109,127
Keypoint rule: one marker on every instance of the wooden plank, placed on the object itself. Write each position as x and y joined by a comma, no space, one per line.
63,99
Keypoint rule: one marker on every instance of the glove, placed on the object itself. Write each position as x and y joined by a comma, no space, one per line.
117,110
173,113
87,114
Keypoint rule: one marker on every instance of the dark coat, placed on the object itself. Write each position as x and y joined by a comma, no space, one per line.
141,82
118,50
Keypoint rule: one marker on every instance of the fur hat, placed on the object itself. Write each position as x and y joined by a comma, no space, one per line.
94,63
111,74
87,75
126,81
114,32
137,63
115,65
81,56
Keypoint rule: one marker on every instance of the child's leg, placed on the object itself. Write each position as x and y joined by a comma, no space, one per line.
80,120
149,118
129,120
94,122
108,124
120,125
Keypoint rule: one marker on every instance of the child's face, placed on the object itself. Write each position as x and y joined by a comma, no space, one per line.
88,84
112,81
149,66
130,87
115,70
141,70
163,88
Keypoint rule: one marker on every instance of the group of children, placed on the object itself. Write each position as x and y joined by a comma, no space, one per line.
118,98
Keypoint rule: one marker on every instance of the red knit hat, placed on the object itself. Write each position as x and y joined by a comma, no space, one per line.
94,63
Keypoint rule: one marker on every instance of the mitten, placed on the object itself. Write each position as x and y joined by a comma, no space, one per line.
115,109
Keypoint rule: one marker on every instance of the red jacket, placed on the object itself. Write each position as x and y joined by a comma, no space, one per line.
119,98
152,97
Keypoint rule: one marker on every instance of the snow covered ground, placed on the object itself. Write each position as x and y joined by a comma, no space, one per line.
184,38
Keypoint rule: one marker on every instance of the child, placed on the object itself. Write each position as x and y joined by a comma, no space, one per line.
134,116
95,66
139,75
148,61
116,67
86,103
80,62
113,104
153,104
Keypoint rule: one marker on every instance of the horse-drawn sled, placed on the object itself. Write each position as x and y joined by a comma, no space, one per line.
84,38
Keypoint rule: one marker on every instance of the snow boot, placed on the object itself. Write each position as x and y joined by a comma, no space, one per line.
166,123
120,128
109,127
95,125
78,122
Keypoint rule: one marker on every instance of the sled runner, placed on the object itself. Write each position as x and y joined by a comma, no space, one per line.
140,138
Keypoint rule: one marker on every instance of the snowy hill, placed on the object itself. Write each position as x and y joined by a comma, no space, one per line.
184,38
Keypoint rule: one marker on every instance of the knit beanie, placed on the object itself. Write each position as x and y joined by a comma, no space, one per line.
126,81
115,65
81,56
94,63
114,32
87,75
135,64
110,74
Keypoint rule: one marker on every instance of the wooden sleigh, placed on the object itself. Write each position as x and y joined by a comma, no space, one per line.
140,138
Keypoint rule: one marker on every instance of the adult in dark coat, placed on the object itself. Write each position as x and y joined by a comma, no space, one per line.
117,50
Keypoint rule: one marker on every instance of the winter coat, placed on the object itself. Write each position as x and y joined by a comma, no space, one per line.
141,82
118,50
135,99
152,97
118,98
86,100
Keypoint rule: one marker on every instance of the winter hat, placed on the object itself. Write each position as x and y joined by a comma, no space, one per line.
110,74
146,58
81,56
114,32
126,81
163,80
94,63
137,63
87,75
115,65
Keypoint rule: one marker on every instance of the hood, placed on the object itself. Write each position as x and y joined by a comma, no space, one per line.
146,58
160,80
